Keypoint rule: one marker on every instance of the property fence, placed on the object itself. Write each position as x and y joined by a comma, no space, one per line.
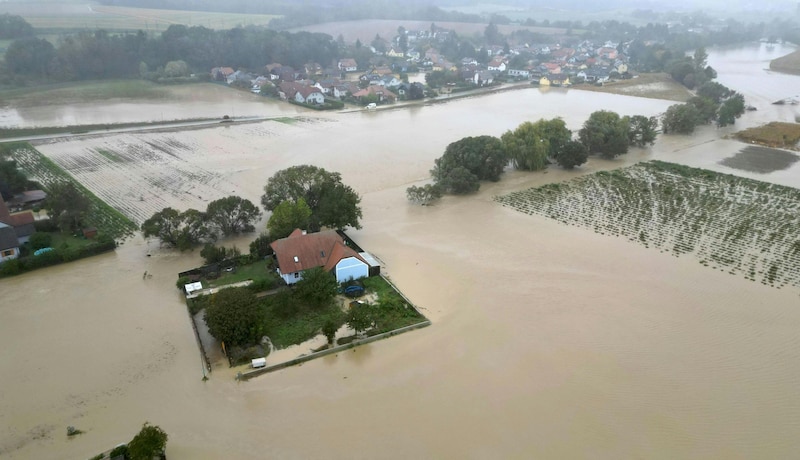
301,359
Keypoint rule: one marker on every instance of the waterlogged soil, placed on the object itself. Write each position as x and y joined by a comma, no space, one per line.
548,340
761,160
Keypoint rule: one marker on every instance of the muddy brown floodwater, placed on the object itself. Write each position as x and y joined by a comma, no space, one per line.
548,341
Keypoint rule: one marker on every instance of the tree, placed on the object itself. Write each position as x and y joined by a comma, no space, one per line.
572,154
706,108
261,246
67,206
482,156
714,91
680,119
30,56
605,133
731,109
150,442
288,216
424,195
642,130
232,215
459,181
212,254
13,26
235,317
360,317
176,69
40,240
12,180
531,144
402,38
179,230
317,288
332,203
492,34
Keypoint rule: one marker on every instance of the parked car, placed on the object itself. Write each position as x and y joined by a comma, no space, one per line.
354,291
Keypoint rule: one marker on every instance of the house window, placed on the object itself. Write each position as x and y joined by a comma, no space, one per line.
7,252
296,275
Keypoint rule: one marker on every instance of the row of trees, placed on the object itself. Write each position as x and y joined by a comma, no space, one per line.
183,230
531,147
99,54
304,196
713,103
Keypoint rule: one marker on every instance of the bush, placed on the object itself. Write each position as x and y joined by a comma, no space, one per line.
182,281
40,240
10,267
46,225
261,285
121,450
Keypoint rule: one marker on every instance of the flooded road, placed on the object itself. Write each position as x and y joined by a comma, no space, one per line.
547,341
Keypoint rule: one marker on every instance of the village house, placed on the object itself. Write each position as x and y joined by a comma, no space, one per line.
15,230
519,73
383,94
497,64
221,73
348,65
302,251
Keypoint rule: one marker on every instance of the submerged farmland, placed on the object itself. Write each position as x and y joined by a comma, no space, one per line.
738,225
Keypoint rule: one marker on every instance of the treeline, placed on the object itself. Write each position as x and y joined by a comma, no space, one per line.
99,54
531,147
12,27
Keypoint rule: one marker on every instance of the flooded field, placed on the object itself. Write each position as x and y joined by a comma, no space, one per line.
176,103
548,341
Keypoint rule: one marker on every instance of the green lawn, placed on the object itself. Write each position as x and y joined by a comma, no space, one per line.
256,271
86,91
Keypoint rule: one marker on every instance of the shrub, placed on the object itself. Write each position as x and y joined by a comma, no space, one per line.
40,240
10,267
182,281
121,450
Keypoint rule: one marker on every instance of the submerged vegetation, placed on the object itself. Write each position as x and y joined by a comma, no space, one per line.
730,223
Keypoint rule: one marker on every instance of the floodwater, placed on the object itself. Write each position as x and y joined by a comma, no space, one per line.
547,341
184,102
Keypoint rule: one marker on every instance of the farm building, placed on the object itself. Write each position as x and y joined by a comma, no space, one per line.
302,251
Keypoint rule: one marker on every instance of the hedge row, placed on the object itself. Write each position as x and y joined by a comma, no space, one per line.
55,257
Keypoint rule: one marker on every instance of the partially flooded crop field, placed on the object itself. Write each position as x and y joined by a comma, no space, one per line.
730,223
141,173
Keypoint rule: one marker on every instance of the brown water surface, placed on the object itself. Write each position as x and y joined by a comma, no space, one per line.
547,341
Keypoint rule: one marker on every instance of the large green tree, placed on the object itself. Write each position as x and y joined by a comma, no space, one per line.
333,204
288,216
12,180
572,154
642,130
459,181
30,56
530,145
235,317
181,230
483,156
232,215
67,206
13,26
680,119
730,109
605,133
149,443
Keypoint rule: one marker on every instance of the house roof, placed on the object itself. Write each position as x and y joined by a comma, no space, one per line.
8,238
302,251
22,222
375,89
28,196
348,62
